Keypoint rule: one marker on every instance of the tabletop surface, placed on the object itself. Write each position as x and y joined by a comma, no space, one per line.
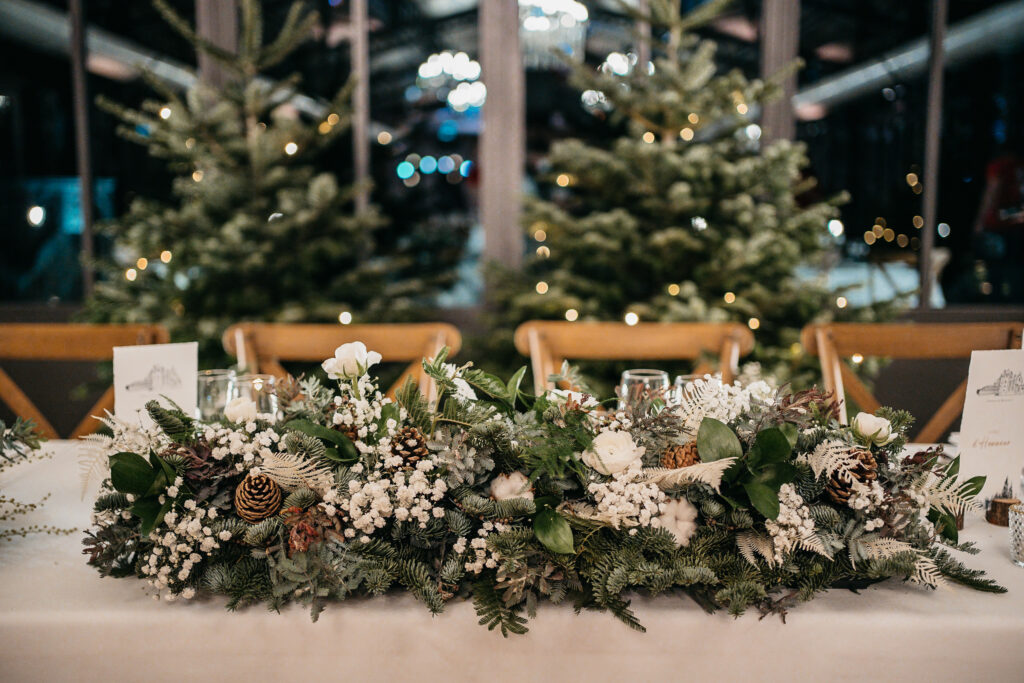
59,618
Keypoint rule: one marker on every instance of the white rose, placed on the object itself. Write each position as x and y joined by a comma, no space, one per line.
612,452
876,430
565,395
350,360
680,518
515,485
240,409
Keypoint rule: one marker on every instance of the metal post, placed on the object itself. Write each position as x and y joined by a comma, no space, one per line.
217,22
933,129
643,44
780,45
360,46
502,141
84,161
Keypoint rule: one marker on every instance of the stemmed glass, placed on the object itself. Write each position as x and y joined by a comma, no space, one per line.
260,389
641,383
215,389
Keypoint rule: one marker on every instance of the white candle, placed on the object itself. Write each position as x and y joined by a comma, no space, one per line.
243,365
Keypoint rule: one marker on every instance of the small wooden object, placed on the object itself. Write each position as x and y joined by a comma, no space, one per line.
998,511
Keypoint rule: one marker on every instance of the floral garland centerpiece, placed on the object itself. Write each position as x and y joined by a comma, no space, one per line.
741,496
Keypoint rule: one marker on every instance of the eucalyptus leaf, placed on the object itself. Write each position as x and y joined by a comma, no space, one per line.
716,441
553,531
345,450
130,473
763,498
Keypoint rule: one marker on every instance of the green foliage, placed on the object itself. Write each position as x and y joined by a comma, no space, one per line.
701,206
494,613
244,582
172,421
252,228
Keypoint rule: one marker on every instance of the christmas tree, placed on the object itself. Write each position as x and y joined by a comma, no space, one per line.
687,216
253,231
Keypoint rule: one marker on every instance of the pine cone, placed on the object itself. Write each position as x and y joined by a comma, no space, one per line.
840,485
410,445
685,455
257,497
349,430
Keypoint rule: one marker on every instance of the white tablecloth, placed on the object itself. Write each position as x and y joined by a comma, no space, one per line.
60,621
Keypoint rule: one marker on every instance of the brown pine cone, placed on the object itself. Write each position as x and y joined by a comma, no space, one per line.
349,430
683,455
257,497
410,445
840,485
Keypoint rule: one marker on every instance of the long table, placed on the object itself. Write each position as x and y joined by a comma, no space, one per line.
60,621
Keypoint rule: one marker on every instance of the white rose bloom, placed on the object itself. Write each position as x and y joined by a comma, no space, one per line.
611,452
240,409
350,360
565,395
515,485
680,518
876,430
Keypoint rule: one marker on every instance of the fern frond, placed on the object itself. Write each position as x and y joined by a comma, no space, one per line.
948,496
832,457
751,544
709,473
880,549
812,543
927,573
258,535
291,471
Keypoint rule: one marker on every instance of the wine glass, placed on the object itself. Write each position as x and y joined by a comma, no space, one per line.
214,390
259,389
641,383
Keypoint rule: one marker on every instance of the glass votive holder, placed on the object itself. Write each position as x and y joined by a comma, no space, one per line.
1017,534
679,388
214,390
642,383
260,389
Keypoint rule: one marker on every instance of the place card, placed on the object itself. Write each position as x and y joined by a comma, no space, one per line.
992,430
151,372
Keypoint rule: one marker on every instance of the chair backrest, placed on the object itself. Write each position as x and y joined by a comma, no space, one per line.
834,343
260,347
66,342
548,343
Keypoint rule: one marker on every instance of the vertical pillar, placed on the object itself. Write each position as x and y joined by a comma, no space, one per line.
217,22
933,129
643,30
503,139
80,97
360,46
780,45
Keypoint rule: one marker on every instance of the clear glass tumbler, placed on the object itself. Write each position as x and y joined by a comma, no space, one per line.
259,389
679,387
641,383
1017,534
215,389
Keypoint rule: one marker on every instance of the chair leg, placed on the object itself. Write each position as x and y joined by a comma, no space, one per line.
944,416
90,424
21,404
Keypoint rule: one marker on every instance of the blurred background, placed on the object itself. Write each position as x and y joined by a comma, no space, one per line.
860,104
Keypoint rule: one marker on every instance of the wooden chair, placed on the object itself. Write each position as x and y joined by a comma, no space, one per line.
834,342
260,347
67,342
549,343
